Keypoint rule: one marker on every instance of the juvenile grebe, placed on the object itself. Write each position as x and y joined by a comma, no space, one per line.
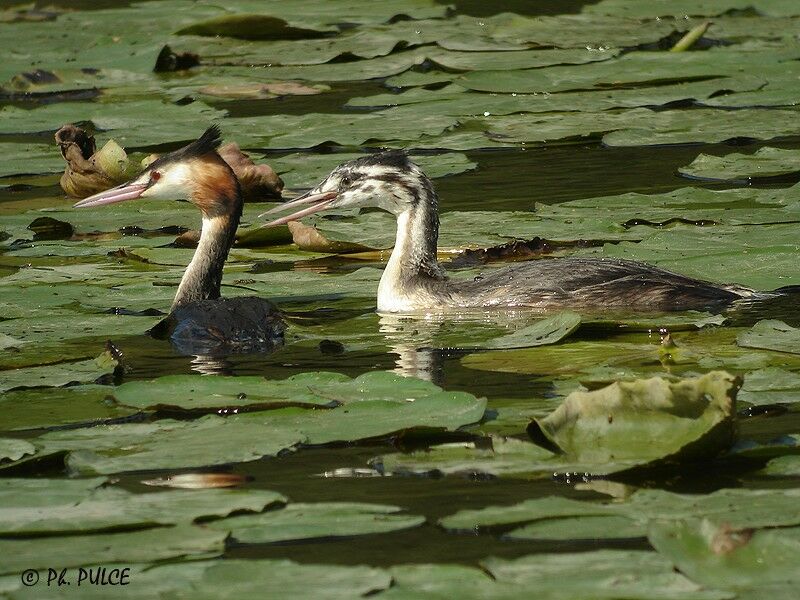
200,321
414,281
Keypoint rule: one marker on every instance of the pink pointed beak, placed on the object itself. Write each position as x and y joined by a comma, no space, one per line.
121,193
317,202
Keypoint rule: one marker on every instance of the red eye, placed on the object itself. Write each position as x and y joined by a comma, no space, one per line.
155,176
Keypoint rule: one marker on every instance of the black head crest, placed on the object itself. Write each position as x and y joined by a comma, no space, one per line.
390,158
205,144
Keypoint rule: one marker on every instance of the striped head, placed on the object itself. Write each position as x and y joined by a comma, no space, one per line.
387,180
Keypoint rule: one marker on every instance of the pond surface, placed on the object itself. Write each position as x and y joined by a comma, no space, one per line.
623,189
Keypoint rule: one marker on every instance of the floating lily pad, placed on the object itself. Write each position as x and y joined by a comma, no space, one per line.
680,8
301,521
85,371
783,466
772,385
642,127
13,449
127,547
133,124
26,159
597,574
27,509
771,335
737,508
505,457
765,162
580,528
547,331
375,404
726,557
645,420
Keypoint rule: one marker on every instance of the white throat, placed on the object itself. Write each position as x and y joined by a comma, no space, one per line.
203,275
392,297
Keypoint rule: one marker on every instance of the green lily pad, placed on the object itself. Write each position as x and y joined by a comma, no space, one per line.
374,404
547,331
765,162
301,521
133,124
313,389
783,466
737,508
27,509
592,527
680,8
13,449
729,558
562,359
25,159
505,457
643,127
85,371
233,578
534,509
127,547
772,385
640,68
771,335
597,575
646,420
458,101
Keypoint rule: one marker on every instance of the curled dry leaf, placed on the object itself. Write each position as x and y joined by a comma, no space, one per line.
88,170
310,239
258,182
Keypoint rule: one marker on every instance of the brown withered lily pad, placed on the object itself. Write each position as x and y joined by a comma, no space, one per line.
259,182
88,170
310,239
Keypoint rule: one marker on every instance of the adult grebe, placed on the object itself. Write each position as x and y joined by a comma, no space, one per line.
200,321
414,281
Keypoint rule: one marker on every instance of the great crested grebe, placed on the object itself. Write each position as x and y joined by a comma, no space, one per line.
414,281
200,321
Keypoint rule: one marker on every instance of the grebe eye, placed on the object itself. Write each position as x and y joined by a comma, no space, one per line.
154,176
345,181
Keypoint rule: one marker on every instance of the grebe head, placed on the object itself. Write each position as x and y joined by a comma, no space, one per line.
387,180
195,173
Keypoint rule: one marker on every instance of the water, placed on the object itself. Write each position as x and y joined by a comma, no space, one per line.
505,180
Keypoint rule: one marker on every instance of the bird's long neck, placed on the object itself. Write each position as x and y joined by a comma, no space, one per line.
203,276
413,268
